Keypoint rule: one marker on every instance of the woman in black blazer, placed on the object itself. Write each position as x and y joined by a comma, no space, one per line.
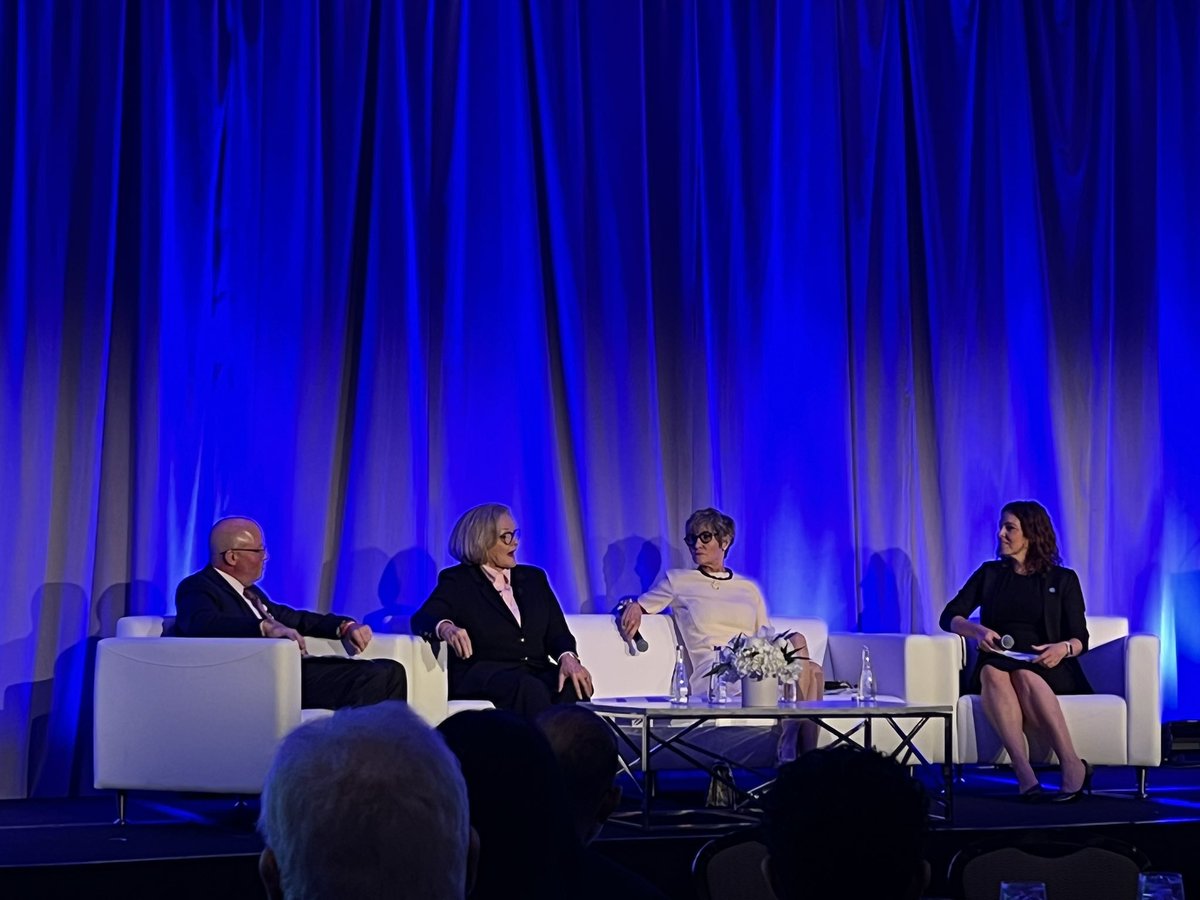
1029,603
507,634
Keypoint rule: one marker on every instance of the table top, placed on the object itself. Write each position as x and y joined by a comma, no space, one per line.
835,707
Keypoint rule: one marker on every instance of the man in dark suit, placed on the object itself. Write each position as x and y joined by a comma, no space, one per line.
508,636
223,600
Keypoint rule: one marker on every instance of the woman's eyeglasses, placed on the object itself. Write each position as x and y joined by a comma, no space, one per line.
507,537
703,537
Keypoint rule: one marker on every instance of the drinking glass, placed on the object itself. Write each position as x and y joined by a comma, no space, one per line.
1022,890
791,689
1160,886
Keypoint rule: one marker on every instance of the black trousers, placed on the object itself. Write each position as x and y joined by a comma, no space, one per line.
516,686
331,682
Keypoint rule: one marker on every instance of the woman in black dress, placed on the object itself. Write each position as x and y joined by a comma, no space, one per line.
1026,594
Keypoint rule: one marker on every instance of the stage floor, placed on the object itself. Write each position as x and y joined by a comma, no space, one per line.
178,845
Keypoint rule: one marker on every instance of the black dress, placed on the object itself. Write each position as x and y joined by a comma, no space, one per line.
1034,609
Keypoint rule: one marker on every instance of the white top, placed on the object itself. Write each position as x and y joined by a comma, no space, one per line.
708,612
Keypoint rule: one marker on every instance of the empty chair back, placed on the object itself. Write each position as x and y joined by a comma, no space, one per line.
1085,868
730,868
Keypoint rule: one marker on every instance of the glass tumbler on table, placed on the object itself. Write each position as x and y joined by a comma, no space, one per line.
1022,890
1160,886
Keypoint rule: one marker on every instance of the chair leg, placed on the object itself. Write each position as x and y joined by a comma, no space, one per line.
120,809
1141,776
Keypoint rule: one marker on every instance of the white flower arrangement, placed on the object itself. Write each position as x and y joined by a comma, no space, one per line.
766,654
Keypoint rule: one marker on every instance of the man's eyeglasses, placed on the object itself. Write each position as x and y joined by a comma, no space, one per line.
244,550
507,537
703,538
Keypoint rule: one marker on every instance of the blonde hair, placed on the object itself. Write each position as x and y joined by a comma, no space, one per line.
475,532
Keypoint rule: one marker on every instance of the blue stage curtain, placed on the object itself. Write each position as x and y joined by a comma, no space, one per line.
856,273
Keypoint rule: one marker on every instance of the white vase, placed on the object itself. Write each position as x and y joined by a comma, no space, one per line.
760,692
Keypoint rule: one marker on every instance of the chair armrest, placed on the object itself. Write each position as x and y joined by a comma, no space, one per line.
428,683
140,626
1129,668
192,713
921,668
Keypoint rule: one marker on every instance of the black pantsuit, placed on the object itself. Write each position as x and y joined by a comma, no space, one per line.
514,665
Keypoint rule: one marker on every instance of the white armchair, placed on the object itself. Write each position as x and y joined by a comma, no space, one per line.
1118,725
202,714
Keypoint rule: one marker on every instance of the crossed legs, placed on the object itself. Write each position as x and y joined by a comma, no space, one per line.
1014,700
1044,712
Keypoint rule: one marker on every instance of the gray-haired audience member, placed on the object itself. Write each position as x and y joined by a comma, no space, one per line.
366,803
586,749
844,822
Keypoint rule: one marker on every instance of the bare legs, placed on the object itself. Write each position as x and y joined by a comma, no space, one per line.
1044,712
1003,709
1013,700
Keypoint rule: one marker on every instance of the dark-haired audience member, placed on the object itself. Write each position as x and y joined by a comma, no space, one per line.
224,600
508,638
586,749
342,820
527,847
844,822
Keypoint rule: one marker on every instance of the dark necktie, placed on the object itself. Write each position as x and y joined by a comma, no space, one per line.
256,601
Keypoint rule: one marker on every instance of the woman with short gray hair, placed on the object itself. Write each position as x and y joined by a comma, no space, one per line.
712,605
506,631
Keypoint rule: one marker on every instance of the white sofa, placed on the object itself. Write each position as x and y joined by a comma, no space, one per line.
1118,725
922,669
202,714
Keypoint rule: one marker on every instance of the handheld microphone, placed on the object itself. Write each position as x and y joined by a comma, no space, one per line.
638,641
1007,642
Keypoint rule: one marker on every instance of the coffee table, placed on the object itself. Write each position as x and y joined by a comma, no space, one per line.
651,725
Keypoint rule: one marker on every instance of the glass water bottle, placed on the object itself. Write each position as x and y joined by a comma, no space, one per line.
679,679
718,689
866,678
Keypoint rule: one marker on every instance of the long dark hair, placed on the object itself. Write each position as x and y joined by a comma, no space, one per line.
1039,531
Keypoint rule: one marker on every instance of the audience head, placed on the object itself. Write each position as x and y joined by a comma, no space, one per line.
527,847
236,546
586,749
366,803
485,534
829,805
1036,538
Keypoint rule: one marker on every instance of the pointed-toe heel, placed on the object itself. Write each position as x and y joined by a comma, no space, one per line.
1086,787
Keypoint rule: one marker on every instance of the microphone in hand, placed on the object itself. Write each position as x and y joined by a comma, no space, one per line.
638,641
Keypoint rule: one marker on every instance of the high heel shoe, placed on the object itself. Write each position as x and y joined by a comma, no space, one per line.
1034,794
1086,787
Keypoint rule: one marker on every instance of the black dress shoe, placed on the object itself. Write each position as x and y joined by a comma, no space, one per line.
1086,787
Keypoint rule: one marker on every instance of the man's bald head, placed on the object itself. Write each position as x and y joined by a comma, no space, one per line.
233,533
236,546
